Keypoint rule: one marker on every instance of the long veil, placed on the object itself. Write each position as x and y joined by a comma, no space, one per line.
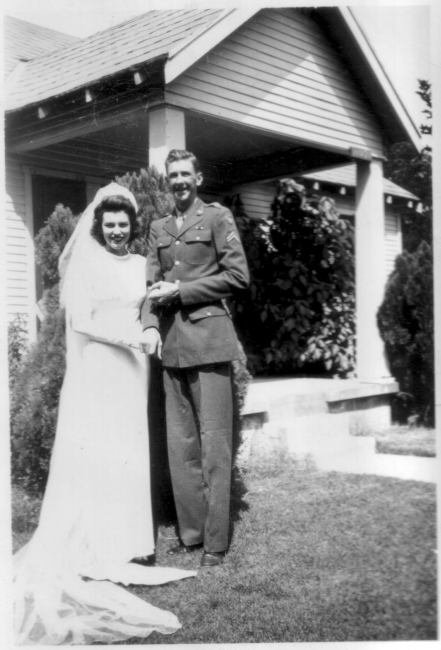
54,603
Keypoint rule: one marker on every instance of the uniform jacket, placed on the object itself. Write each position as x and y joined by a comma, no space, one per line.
206,258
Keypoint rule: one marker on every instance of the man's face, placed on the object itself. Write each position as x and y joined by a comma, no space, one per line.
184,182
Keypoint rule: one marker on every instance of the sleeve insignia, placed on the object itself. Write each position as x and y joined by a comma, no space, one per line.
232,235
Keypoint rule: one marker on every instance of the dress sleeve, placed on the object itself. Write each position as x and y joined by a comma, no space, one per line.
81,320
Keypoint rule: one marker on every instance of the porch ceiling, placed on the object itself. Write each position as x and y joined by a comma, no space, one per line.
229,154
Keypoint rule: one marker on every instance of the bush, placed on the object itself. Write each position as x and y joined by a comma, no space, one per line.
405,320
17,346
50,242
34,402
300,313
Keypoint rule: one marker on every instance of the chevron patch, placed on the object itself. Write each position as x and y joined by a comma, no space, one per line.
232,235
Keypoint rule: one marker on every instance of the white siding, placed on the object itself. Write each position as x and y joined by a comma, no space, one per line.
393,242
19,258
278,73
256,198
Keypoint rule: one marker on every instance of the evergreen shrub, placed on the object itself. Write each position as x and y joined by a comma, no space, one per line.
17,346
406,324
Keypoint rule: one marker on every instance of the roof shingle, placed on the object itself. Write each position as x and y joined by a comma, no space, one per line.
25,41
84,62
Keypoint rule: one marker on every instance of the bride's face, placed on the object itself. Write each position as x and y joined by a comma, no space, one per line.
116,231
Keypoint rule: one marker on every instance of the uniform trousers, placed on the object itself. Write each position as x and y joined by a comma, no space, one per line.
199,414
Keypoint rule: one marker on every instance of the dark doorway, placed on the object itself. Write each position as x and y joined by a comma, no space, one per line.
47,192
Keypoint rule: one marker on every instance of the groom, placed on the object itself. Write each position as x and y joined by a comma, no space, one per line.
195,260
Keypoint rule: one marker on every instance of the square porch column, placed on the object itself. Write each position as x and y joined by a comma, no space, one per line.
370,270
166,132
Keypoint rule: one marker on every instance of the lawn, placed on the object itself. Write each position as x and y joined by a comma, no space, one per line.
314,557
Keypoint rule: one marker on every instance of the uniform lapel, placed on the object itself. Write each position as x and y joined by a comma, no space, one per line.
194,215
170,226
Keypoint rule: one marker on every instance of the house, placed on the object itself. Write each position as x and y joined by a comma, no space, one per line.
256,93
338,183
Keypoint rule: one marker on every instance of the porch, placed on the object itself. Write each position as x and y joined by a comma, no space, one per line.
328,421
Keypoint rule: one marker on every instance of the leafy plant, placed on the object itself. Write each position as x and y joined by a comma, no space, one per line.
300,313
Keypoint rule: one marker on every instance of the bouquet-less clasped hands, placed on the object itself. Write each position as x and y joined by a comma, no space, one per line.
160,293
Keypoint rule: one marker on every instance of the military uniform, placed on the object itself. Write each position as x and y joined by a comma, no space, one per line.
205,258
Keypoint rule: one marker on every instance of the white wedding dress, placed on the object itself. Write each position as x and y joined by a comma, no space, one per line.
96,514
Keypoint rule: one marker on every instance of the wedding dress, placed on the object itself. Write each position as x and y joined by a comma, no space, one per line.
96,513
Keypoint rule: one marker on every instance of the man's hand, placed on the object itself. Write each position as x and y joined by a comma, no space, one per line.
150,342
163,293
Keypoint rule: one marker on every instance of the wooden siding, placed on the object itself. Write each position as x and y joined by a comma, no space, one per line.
19,264
278,73
393,242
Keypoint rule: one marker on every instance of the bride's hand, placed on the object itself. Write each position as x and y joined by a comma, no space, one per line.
150,342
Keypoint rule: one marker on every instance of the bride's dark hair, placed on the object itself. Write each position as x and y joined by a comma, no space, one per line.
115,203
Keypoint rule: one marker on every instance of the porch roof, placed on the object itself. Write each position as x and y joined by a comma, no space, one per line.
179,38
25,41
134,42
346,175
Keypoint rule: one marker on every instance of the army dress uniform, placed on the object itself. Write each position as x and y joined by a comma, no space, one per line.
206,259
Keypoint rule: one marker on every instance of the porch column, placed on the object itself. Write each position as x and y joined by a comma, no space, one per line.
166,132
370,269
30,241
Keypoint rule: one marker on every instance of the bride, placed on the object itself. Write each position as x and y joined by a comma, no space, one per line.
96,514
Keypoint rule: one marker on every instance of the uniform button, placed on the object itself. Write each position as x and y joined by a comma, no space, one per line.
177,263
177,242
177,281
197,237
208,313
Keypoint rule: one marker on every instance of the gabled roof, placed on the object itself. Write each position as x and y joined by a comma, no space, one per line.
25,41
179,38
136,41
346,176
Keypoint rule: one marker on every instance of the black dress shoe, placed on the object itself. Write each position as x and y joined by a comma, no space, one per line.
146,560
212,559
180,549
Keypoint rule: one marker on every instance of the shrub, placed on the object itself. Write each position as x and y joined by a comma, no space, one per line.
17,346
34,403
300,313
405,320
50,242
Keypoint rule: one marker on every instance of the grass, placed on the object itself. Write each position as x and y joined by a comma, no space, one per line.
408,441
314,557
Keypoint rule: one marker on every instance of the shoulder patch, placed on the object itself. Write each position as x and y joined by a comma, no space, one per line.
215,204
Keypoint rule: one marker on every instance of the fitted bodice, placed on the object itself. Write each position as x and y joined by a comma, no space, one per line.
118,291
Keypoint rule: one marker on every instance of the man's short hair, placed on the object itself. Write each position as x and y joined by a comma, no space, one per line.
182,154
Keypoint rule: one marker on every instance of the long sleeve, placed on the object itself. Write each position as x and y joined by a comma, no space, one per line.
149,316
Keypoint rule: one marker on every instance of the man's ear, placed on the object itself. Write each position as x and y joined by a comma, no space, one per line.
199,178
